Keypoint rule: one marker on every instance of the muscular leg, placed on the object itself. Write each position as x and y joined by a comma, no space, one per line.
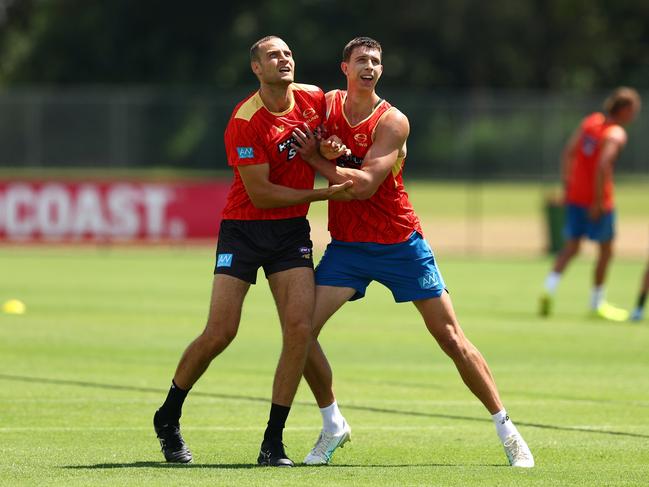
317,371
222,325
294,293
441,322
228,294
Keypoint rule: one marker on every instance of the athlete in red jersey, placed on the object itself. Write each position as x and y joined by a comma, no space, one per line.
387,217
255,135
587,165
263,225
378,237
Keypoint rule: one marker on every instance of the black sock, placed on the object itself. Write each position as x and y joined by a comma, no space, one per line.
641,299
171,410
276,422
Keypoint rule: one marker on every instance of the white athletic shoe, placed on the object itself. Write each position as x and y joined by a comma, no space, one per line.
326,445
518,453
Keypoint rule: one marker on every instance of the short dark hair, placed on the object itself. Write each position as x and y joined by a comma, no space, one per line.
358,42
620,98
254,49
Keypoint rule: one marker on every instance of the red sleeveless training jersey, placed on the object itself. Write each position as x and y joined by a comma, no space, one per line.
255,135
580,189
387,217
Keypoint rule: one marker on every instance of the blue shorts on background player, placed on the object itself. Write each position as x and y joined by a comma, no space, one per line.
579,224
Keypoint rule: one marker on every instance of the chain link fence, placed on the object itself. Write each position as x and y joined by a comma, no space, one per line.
474,136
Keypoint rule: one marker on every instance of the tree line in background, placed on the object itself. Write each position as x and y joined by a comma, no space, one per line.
552,45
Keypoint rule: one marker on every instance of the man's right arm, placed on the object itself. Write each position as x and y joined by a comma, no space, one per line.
265,194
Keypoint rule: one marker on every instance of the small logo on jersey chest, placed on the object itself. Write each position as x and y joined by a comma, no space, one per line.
310,115
286,146
361,139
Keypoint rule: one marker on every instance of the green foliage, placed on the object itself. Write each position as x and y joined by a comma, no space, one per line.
556,44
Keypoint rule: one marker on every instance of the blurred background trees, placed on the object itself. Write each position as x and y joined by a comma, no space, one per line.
492,88
447,44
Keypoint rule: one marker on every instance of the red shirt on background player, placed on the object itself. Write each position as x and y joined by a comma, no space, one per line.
588,161
582,168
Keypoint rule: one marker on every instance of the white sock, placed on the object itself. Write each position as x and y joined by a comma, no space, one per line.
332,418
552,281
504,425
597,297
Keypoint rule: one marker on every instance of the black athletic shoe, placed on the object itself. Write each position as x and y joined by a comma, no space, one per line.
173,446
272,454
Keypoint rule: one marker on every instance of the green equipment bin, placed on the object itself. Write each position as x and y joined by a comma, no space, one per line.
555,218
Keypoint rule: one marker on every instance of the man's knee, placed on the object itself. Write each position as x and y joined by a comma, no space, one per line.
572,248
606,250
215,341
453,342
298,329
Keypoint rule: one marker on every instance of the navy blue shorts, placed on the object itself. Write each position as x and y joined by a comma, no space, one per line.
408,268
579,224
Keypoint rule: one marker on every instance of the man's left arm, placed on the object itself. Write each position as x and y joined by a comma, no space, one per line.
389,139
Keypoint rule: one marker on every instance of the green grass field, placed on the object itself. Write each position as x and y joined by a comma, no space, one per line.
83,370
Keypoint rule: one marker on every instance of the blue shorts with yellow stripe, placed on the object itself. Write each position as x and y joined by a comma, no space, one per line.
407,268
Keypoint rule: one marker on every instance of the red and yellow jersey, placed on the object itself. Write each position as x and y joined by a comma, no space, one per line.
387,217
582,174
255,135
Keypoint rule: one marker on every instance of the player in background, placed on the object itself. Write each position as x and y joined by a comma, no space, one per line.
588,161
264,225
638,312
377,236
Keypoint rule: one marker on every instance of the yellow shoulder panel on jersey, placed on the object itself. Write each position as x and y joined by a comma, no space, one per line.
398,165
305,87
250,107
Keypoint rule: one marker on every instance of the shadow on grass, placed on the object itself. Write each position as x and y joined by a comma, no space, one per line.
108,466
356,407
247,466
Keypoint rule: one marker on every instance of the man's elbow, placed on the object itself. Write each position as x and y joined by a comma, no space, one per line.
363,193
260,201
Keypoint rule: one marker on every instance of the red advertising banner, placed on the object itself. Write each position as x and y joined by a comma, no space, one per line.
110,211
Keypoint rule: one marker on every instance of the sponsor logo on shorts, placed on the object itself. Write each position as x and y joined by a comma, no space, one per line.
305,251
429,281
245,152
224,260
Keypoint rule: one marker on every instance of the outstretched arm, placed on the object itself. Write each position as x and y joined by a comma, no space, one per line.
389,139
265,194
